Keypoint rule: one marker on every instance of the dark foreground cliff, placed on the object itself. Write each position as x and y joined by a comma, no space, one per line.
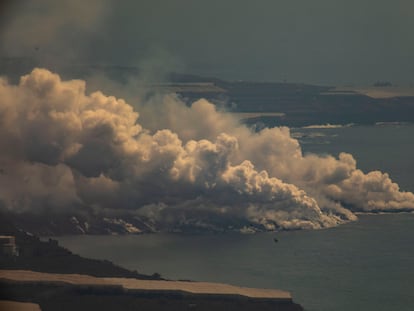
71,297
49,257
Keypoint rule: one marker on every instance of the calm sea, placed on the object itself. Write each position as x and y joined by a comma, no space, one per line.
364,265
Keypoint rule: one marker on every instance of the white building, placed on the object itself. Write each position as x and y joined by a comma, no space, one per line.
8,245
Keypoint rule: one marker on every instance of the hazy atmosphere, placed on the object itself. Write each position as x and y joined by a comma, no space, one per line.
177,162
322,41
258,143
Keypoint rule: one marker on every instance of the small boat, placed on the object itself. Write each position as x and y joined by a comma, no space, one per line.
275,240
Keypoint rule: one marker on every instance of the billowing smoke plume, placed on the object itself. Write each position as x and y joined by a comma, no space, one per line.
61,148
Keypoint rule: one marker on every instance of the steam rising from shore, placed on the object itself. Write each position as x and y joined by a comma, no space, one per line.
62,148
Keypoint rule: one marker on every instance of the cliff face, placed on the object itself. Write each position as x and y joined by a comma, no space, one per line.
139,285
60,296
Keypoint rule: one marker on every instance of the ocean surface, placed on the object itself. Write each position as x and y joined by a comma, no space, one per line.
363,265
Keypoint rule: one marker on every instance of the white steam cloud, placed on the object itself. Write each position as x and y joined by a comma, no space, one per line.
62,148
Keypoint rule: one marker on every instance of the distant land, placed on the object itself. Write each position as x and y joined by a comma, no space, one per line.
292,104
295,104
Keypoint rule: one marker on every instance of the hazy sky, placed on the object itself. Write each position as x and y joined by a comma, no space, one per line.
317,41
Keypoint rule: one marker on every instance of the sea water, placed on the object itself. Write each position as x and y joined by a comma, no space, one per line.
362,265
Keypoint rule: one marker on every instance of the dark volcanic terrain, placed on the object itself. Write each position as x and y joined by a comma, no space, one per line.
301,104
